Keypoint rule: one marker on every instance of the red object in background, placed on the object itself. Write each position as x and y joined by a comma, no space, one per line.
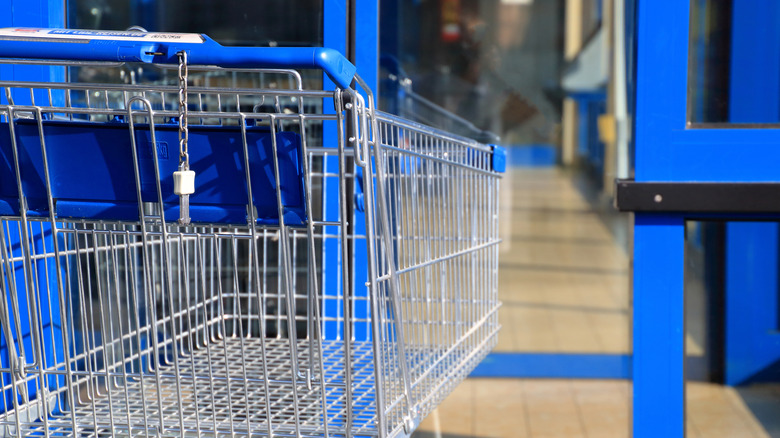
450,20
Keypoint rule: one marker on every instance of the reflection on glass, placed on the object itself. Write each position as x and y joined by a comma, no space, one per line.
704,295
474,67
231,22
591,17
279,23
734,63
708,77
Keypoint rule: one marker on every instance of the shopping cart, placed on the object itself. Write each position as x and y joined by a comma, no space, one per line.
329,270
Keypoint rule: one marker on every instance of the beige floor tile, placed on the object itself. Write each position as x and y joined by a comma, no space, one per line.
716,411
604,406
455,415
608,328
505,415
584,339
557,408
763,401
692,432
563,280
552,410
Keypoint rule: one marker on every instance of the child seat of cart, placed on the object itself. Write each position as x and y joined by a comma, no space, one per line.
92,172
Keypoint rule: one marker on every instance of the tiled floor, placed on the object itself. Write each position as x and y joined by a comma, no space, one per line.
564,285
520,408
560,269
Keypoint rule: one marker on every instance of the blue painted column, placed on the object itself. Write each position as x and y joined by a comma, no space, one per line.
659,240
335,25
367,42
367,63
659,326
366,46
31,13
334,37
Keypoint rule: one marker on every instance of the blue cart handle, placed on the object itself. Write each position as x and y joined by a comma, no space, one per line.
162,48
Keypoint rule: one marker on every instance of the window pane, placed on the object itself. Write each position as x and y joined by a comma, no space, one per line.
470,66
734,59
708,79
231,22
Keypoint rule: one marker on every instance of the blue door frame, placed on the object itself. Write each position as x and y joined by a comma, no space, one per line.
669,150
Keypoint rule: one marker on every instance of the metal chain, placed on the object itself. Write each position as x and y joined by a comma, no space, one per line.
184,156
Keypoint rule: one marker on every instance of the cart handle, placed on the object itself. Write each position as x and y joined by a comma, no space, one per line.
162,48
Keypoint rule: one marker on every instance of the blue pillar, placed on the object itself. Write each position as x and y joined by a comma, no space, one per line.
334,37
659,326
367,41
367,61
659,240
31,13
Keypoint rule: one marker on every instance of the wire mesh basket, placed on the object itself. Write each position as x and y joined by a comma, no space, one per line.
332,273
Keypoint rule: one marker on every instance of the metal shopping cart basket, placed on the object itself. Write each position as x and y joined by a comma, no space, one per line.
199,257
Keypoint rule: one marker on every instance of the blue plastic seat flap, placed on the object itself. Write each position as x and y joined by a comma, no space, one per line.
92,173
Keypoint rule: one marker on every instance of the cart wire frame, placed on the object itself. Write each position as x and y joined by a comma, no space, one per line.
117,326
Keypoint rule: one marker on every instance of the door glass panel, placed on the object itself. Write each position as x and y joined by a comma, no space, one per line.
278,23
734,63
476,67
708,80
230,22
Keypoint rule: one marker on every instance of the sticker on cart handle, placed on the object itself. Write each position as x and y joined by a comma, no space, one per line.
72,35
